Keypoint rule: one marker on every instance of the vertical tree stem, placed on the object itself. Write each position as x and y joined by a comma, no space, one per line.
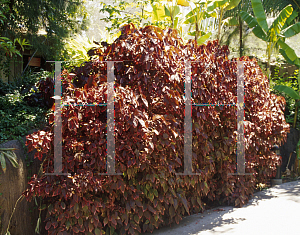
296,114
241,35
220,23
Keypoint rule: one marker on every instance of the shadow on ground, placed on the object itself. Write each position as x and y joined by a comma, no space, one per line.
268,212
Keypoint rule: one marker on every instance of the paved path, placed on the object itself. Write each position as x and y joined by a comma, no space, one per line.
275,211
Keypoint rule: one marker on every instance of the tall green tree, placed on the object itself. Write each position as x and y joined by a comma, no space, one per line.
7,46
57,18
235,20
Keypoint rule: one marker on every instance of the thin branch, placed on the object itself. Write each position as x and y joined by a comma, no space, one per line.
21,197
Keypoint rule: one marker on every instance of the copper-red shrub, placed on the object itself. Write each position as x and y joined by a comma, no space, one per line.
149,134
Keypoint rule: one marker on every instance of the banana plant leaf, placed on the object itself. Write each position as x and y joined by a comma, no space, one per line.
167,11
260,15
292,30
279,22
215,4
232,4
252,23
203,39
288,91
290,19
288,53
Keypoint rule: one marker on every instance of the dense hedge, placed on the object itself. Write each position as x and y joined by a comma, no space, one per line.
149,133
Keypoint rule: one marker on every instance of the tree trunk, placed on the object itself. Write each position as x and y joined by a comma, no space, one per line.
269,48
241,36
220,23
295,115
197,32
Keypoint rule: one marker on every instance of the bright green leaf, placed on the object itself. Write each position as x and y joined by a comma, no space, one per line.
292,30
232,4
288,53
279,22
167,12
260,15
3,163
204,38
288,91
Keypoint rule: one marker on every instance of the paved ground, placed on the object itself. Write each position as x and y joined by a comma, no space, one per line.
270,212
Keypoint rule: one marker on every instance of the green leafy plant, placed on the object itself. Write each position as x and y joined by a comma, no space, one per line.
276,34
121,12
27,19
203,11
292,94
76,50
10,47
6,44
18,112
219,7
10,155
172,10
289,54
289,81
196,19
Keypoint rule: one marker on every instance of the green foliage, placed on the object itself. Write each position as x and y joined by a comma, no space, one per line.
10,155
279,85
291,57
124,12
195,18
204,10
289,54
274,35
276,6
8,46
76,50
288,90
167,14
27,18
16,116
